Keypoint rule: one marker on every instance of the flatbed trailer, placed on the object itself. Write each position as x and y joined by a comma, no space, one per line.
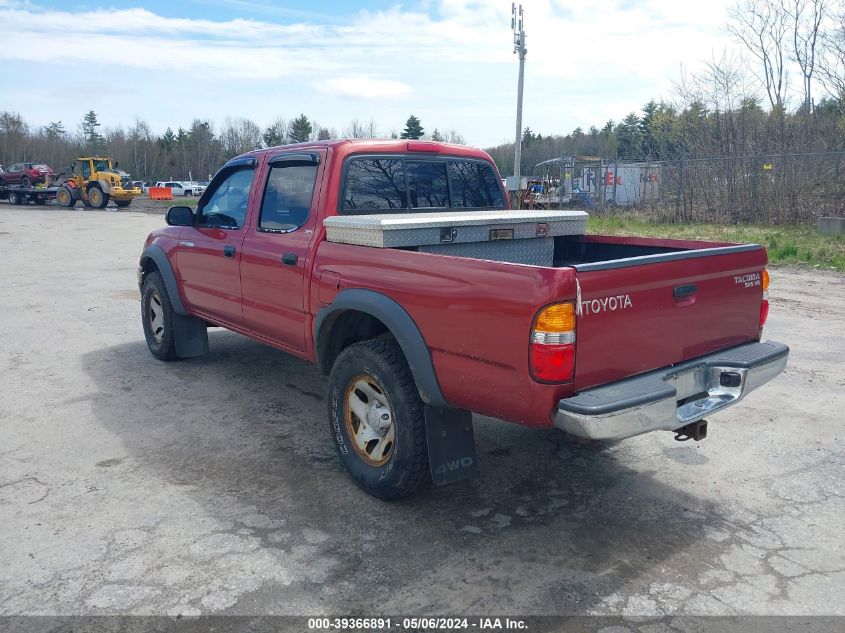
26,195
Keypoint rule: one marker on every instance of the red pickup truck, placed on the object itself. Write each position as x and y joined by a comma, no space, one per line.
354,255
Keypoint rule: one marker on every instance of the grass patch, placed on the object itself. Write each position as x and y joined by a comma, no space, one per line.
181,201
791,245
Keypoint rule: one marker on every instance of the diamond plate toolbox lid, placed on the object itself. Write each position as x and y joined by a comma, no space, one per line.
394,230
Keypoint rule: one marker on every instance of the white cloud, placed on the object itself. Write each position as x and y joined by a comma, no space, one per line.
363,87
452,65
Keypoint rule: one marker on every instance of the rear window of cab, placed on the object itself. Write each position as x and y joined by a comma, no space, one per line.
386,184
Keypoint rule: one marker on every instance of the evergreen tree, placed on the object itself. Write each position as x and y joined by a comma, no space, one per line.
413,128
437,136
300,129
93,139
647,129
630,136
528,136
168,140
56,130
275,133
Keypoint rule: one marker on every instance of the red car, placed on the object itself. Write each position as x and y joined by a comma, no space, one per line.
26,174
398,269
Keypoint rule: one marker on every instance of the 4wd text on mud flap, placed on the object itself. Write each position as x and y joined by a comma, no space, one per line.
456,464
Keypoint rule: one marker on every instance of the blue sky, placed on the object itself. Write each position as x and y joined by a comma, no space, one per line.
447,61
291,11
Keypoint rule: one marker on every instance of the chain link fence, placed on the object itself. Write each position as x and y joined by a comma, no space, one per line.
771,189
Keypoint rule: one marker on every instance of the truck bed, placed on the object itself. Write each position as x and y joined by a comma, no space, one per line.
605,252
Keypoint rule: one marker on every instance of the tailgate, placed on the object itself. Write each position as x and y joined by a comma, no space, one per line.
641,315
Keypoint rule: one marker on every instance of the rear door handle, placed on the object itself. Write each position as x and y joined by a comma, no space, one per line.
228,251
682,292
290,259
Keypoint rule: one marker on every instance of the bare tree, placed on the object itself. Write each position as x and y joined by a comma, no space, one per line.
807,18
763,26
354,130
455,137
14,137
239,136
831,63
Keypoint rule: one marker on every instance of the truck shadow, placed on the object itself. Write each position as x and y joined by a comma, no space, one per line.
547,526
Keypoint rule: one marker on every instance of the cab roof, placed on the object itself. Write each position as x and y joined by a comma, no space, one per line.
344,147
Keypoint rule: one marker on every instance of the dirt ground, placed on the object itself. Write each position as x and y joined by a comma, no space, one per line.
128,485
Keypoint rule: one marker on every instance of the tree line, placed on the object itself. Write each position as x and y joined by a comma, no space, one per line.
756,136
188,153
742,105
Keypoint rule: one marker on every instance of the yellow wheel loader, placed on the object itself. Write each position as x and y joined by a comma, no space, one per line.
95,181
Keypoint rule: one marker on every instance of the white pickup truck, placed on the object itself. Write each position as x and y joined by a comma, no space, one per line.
182,188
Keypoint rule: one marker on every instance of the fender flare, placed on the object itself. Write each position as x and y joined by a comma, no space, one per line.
191,333
103,184
403,328
157,254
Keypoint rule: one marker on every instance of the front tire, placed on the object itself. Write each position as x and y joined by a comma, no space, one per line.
376,419
97,197
14,197
157,318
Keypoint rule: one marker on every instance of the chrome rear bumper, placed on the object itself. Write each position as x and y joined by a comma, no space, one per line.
671,397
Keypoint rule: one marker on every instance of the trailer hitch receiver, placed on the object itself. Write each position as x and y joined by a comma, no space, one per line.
693,431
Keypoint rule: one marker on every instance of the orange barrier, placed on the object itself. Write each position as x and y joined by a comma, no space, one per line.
160,193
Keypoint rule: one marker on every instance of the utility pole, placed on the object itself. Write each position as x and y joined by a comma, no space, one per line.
518,27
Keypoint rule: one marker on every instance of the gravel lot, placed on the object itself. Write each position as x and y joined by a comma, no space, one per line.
211,485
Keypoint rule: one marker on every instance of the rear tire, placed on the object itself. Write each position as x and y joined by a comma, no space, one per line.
14,197
386,456
157,318
25,182
64,198
123,203
97,197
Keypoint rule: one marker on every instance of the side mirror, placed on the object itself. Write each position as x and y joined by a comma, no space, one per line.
180,216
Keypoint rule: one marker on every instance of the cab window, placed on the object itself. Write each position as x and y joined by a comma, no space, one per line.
226,205
401,184
375,184
287,197
474,185
427,184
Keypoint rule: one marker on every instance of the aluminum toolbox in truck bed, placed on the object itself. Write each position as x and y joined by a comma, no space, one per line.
402,230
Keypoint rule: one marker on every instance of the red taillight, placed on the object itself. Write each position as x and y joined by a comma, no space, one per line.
552,354
764,312
552,363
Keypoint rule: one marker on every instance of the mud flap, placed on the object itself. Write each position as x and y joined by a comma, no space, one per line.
451,445
191,336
